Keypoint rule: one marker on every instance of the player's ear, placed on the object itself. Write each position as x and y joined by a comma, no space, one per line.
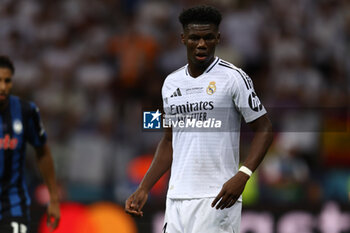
218,38
182,38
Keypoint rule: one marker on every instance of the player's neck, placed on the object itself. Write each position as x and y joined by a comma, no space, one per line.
3,105
196,70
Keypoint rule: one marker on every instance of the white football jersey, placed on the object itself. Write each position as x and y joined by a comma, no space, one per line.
204,158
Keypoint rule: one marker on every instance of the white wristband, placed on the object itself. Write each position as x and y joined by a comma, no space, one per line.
245,170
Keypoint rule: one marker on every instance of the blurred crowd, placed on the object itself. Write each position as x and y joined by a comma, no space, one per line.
93,66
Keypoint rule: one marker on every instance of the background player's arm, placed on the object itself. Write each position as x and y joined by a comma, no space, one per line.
47,170
234,187
161,163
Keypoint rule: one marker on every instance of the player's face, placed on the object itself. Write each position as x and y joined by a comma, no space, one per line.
200,40
5,84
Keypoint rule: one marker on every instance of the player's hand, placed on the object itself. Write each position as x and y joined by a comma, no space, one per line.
53,215
135,203
230,191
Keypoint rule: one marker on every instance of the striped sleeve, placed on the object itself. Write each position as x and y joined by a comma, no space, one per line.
244,97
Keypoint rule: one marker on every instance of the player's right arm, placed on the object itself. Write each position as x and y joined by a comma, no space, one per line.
161,164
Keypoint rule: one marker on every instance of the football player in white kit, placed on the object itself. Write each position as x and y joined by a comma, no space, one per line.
205,187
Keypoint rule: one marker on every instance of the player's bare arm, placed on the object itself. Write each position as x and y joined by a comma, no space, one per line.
161,164
234,187
261,142
47,170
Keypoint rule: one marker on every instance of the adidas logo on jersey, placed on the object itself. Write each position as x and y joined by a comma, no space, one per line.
176,93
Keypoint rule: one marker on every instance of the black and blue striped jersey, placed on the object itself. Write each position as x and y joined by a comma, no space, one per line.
19,123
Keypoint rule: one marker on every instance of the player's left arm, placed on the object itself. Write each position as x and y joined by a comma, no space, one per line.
234,187
47,170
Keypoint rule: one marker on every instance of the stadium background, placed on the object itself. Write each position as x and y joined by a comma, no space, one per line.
91,66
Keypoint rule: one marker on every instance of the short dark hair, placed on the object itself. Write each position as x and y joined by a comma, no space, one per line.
200,14
5,62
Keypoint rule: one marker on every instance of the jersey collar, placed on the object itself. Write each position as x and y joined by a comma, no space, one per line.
209,68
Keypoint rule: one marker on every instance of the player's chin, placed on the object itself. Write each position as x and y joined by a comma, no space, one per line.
201,61
3,99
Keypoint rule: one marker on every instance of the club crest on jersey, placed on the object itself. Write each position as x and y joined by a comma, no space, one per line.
17,126
211,88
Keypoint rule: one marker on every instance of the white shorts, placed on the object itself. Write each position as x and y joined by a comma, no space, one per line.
197,216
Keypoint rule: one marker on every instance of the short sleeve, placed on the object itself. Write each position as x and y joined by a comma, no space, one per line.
245,98
36,134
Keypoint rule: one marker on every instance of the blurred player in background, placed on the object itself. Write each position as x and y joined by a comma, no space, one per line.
205,186
20,123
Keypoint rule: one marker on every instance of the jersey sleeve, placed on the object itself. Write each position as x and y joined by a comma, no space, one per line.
244,97
36,134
